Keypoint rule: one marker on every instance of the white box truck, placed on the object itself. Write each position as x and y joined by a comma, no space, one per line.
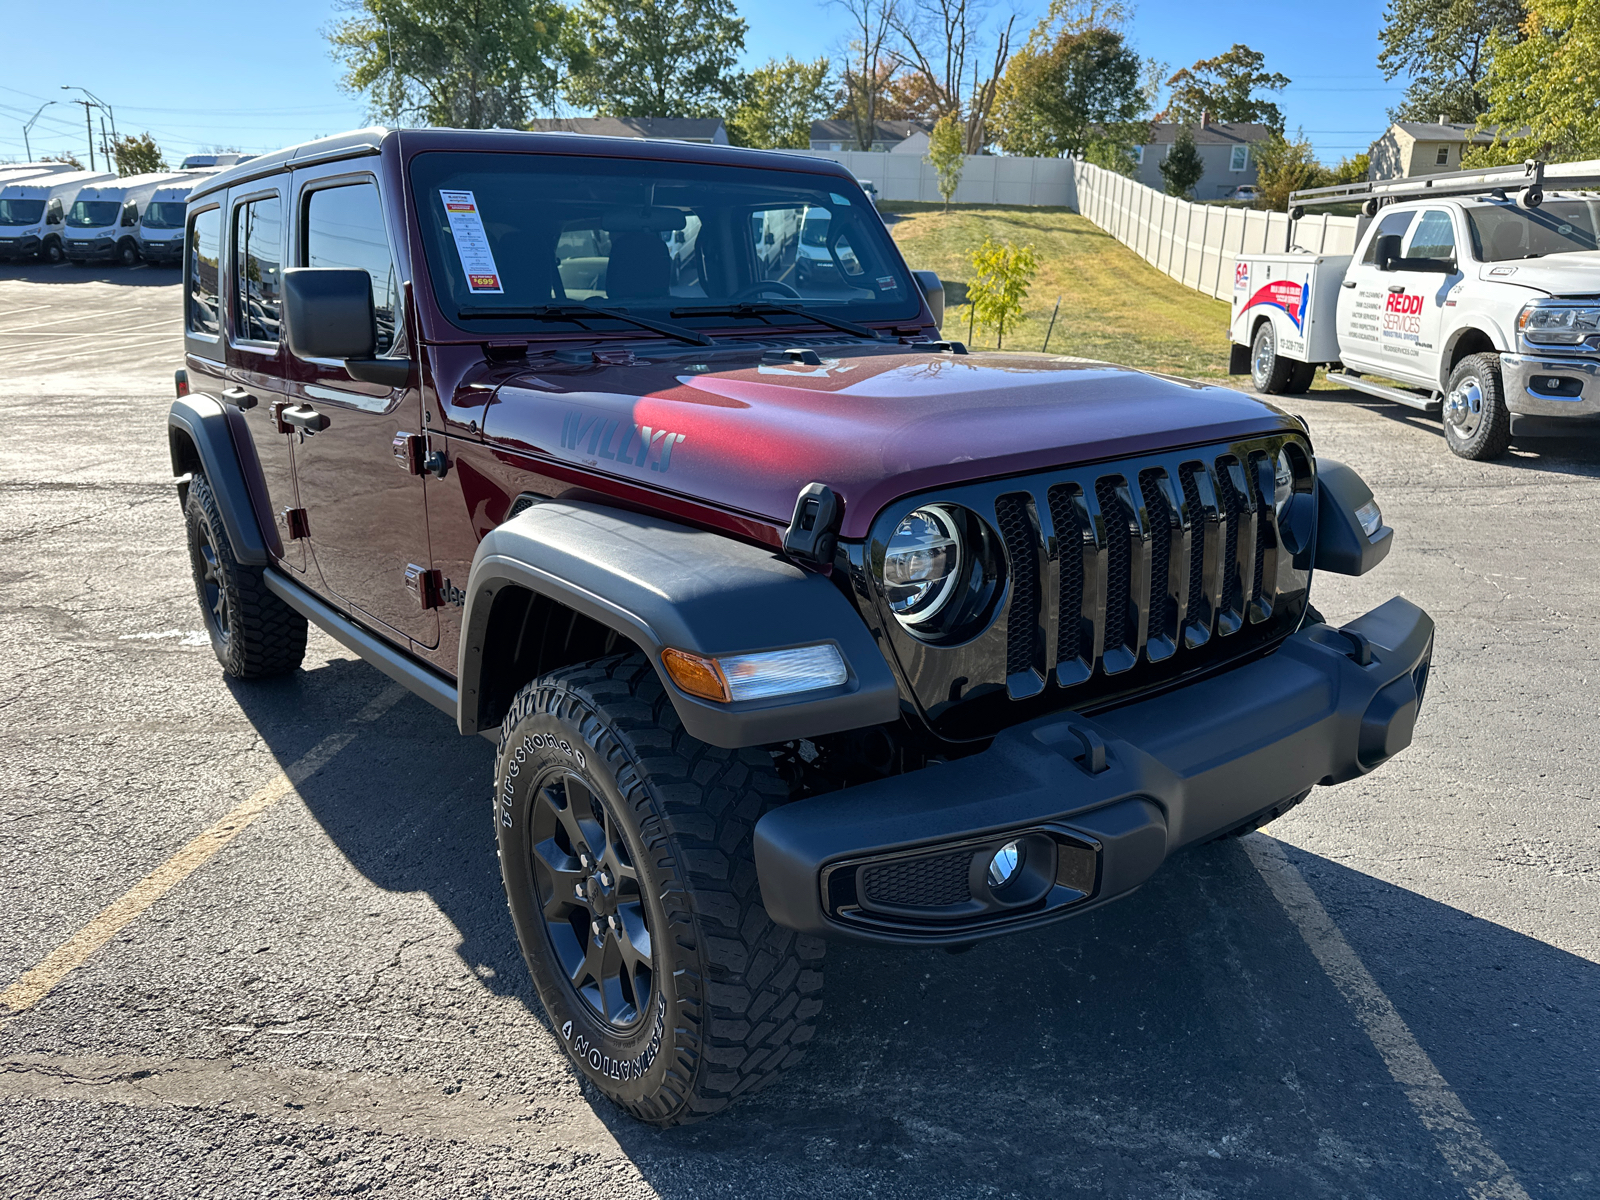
33,212
1474,295
161,222
103,221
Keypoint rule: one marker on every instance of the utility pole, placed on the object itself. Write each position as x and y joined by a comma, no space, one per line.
93,101
88,125
28,128
105,146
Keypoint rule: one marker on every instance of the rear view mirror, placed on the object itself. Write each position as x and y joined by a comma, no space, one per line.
1388,251
933,292
328,311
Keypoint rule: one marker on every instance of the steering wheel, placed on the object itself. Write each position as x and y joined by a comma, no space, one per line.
767,285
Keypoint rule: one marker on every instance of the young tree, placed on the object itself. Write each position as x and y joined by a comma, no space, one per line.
1002,274
948,153
471,64
1182,167
658,58
1443,47
1284,166
137,155
1225,87
780,101
1543,93
1082,88
868,64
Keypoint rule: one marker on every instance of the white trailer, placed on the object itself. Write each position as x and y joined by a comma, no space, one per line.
1471,295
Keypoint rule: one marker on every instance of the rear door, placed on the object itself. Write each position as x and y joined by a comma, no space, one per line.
1363,298
363,501
250,285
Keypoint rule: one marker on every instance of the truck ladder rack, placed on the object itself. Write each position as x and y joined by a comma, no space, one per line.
1431,405
1529,179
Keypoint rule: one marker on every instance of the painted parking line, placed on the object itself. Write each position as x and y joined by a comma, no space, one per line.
78,316
41,980
1474,1163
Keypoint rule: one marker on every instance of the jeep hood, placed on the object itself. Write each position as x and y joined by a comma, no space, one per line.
873,428
1576,274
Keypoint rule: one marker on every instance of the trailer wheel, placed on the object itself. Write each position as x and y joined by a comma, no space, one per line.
1477,424
1269,371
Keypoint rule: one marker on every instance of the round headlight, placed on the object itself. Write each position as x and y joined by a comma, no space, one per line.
921,565
1282,484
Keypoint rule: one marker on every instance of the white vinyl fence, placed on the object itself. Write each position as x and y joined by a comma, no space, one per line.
986,178
1196,243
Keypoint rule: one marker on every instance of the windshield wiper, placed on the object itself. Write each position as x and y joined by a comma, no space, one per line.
578,312
765,309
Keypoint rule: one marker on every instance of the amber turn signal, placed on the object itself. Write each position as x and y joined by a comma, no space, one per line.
695,675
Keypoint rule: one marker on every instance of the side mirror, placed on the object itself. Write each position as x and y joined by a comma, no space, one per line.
933,292
328,312
1388,251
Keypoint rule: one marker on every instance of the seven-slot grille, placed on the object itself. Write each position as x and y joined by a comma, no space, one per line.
1135,561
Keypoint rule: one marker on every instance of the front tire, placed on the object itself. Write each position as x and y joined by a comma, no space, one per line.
128,254
626,850
1477,424
1270,371
52,253
253,633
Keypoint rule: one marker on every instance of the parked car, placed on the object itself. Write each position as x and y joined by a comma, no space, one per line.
791,620
1247,192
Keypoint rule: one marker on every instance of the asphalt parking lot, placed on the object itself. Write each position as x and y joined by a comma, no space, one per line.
1396,994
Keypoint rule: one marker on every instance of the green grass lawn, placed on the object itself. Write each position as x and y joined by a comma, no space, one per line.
1114,305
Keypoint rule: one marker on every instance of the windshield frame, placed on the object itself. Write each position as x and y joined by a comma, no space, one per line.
440,306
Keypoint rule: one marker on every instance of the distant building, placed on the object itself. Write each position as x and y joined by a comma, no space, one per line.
706,130
1423,148
895,137
1225,149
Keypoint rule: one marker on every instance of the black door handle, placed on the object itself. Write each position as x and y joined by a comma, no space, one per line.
1348,283
239,398
305,419
1396,288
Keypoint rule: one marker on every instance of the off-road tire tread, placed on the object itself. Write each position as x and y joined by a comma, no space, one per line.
749,1017
1493,437
268,637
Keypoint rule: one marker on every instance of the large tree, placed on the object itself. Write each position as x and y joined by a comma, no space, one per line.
1061,97
780,101
1543,93
137,155
471,64
1442,46
868,64
658,58
1227,88
947,44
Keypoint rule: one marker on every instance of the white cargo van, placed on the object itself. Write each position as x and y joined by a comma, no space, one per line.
33,211
1474,295
161,222
11,172
103,221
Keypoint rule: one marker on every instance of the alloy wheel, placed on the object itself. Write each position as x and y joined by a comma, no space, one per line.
211,584
594,910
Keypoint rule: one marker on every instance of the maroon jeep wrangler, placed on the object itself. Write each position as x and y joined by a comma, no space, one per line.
791,620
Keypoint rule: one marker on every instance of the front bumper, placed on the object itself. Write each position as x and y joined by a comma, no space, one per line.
161,252
90,251
1095,806
19,247
1549,394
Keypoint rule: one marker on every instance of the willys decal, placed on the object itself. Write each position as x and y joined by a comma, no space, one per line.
620,441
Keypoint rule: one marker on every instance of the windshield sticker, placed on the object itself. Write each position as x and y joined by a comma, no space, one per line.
887,283
472,244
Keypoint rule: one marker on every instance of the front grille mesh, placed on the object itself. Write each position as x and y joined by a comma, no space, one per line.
920,882
1146,563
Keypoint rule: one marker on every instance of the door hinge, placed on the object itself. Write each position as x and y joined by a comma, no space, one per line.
408,452
297,523
426,586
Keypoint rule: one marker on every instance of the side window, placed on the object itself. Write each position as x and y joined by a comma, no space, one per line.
56,213
1433,236
1443,157
1395,222
201,284
257,269
130,215
1240,158
344,228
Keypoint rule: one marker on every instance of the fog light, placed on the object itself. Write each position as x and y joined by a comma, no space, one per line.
1003,866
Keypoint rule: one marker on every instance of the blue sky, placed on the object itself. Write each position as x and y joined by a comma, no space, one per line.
196,75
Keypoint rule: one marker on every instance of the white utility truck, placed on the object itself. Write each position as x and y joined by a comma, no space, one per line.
161,222
1473,294
33,212
103,221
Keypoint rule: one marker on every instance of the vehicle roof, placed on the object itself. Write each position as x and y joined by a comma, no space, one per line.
1483,201
416,141
134,183
51,183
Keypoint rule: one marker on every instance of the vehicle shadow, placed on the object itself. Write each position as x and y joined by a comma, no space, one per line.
142,275
1181,1042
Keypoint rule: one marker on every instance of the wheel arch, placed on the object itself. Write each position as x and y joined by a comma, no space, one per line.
580,575
201,437
1463,342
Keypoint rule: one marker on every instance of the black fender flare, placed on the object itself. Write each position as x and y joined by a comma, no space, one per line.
661,584
200,427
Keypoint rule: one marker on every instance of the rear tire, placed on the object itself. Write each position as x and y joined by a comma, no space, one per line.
626,850
254,633
1269,371
1301,378
1477,424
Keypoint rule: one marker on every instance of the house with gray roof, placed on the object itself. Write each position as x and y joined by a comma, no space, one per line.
1411,148
706,130
1225,149
895,137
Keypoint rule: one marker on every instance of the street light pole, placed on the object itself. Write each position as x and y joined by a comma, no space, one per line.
28,128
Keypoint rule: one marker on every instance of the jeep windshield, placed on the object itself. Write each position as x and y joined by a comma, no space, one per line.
21,212
1501,232
164,214
91,214
515,242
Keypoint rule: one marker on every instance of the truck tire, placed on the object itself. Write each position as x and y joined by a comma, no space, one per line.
254,633
1269,370
1301,378
1477,424
625,846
